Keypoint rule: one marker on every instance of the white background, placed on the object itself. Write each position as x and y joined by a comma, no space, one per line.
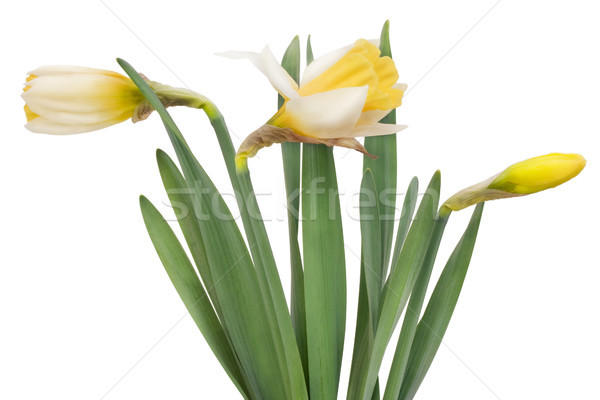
86,310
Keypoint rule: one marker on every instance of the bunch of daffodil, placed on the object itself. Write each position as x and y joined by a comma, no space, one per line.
231,284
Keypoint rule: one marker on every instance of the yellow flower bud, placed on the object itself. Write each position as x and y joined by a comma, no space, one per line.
525,177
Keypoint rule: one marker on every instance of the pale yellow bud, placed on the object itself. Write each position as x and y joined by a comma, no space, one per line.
63,100
66,99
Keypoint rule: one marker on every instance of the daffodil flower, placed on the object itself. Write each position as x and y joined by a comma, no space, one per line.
64,100
342,95
68,99
526,177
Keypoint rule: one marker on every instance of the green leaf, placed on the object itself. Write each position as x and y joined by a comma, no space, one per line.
186,282
246,304
280,321
408,210
384,168
413,312
324,270
324,267
370,228
309,53
291,171
371,275
399,287
363,336
291,63
433,325
180,196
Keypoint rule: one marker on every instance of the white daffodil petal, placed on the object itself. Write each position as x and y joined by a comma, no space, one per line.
331,114
85,113
81,99
78,85
268,65
376,130
43,125
71,69
372,117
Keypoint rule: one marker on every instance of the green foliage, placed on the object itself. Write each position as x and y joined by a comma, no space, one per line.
433,325
233,291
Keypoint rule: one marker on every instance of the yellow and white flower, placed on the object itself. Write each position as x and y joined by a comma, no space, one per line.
526,177
342,95
67,99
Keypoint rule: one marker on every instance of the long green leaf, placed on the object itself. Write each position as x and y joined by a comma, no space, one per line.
370,229
186,282
246,312
399,286
413,312
371,275
384,168
408,210
324,270
180,196
280,321
291,171
324,267
384,171
363,336
433,325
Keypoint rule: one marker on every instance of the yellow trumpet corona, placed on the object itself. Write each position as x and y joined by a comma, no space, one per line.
526,177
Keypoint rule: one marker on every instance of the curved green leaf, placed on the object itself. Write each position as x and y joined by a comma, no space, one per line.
245,302
413,312
433,325
399,287
186,282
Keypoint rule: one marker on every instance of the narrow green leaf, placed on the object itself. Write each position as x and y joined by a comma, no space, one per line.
186,282
180,196
291,171
324,270
433,325
408,210
280,321
291,63
370,229
413,312
363,335
384,168
371,275
324,267
399,286
246,303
